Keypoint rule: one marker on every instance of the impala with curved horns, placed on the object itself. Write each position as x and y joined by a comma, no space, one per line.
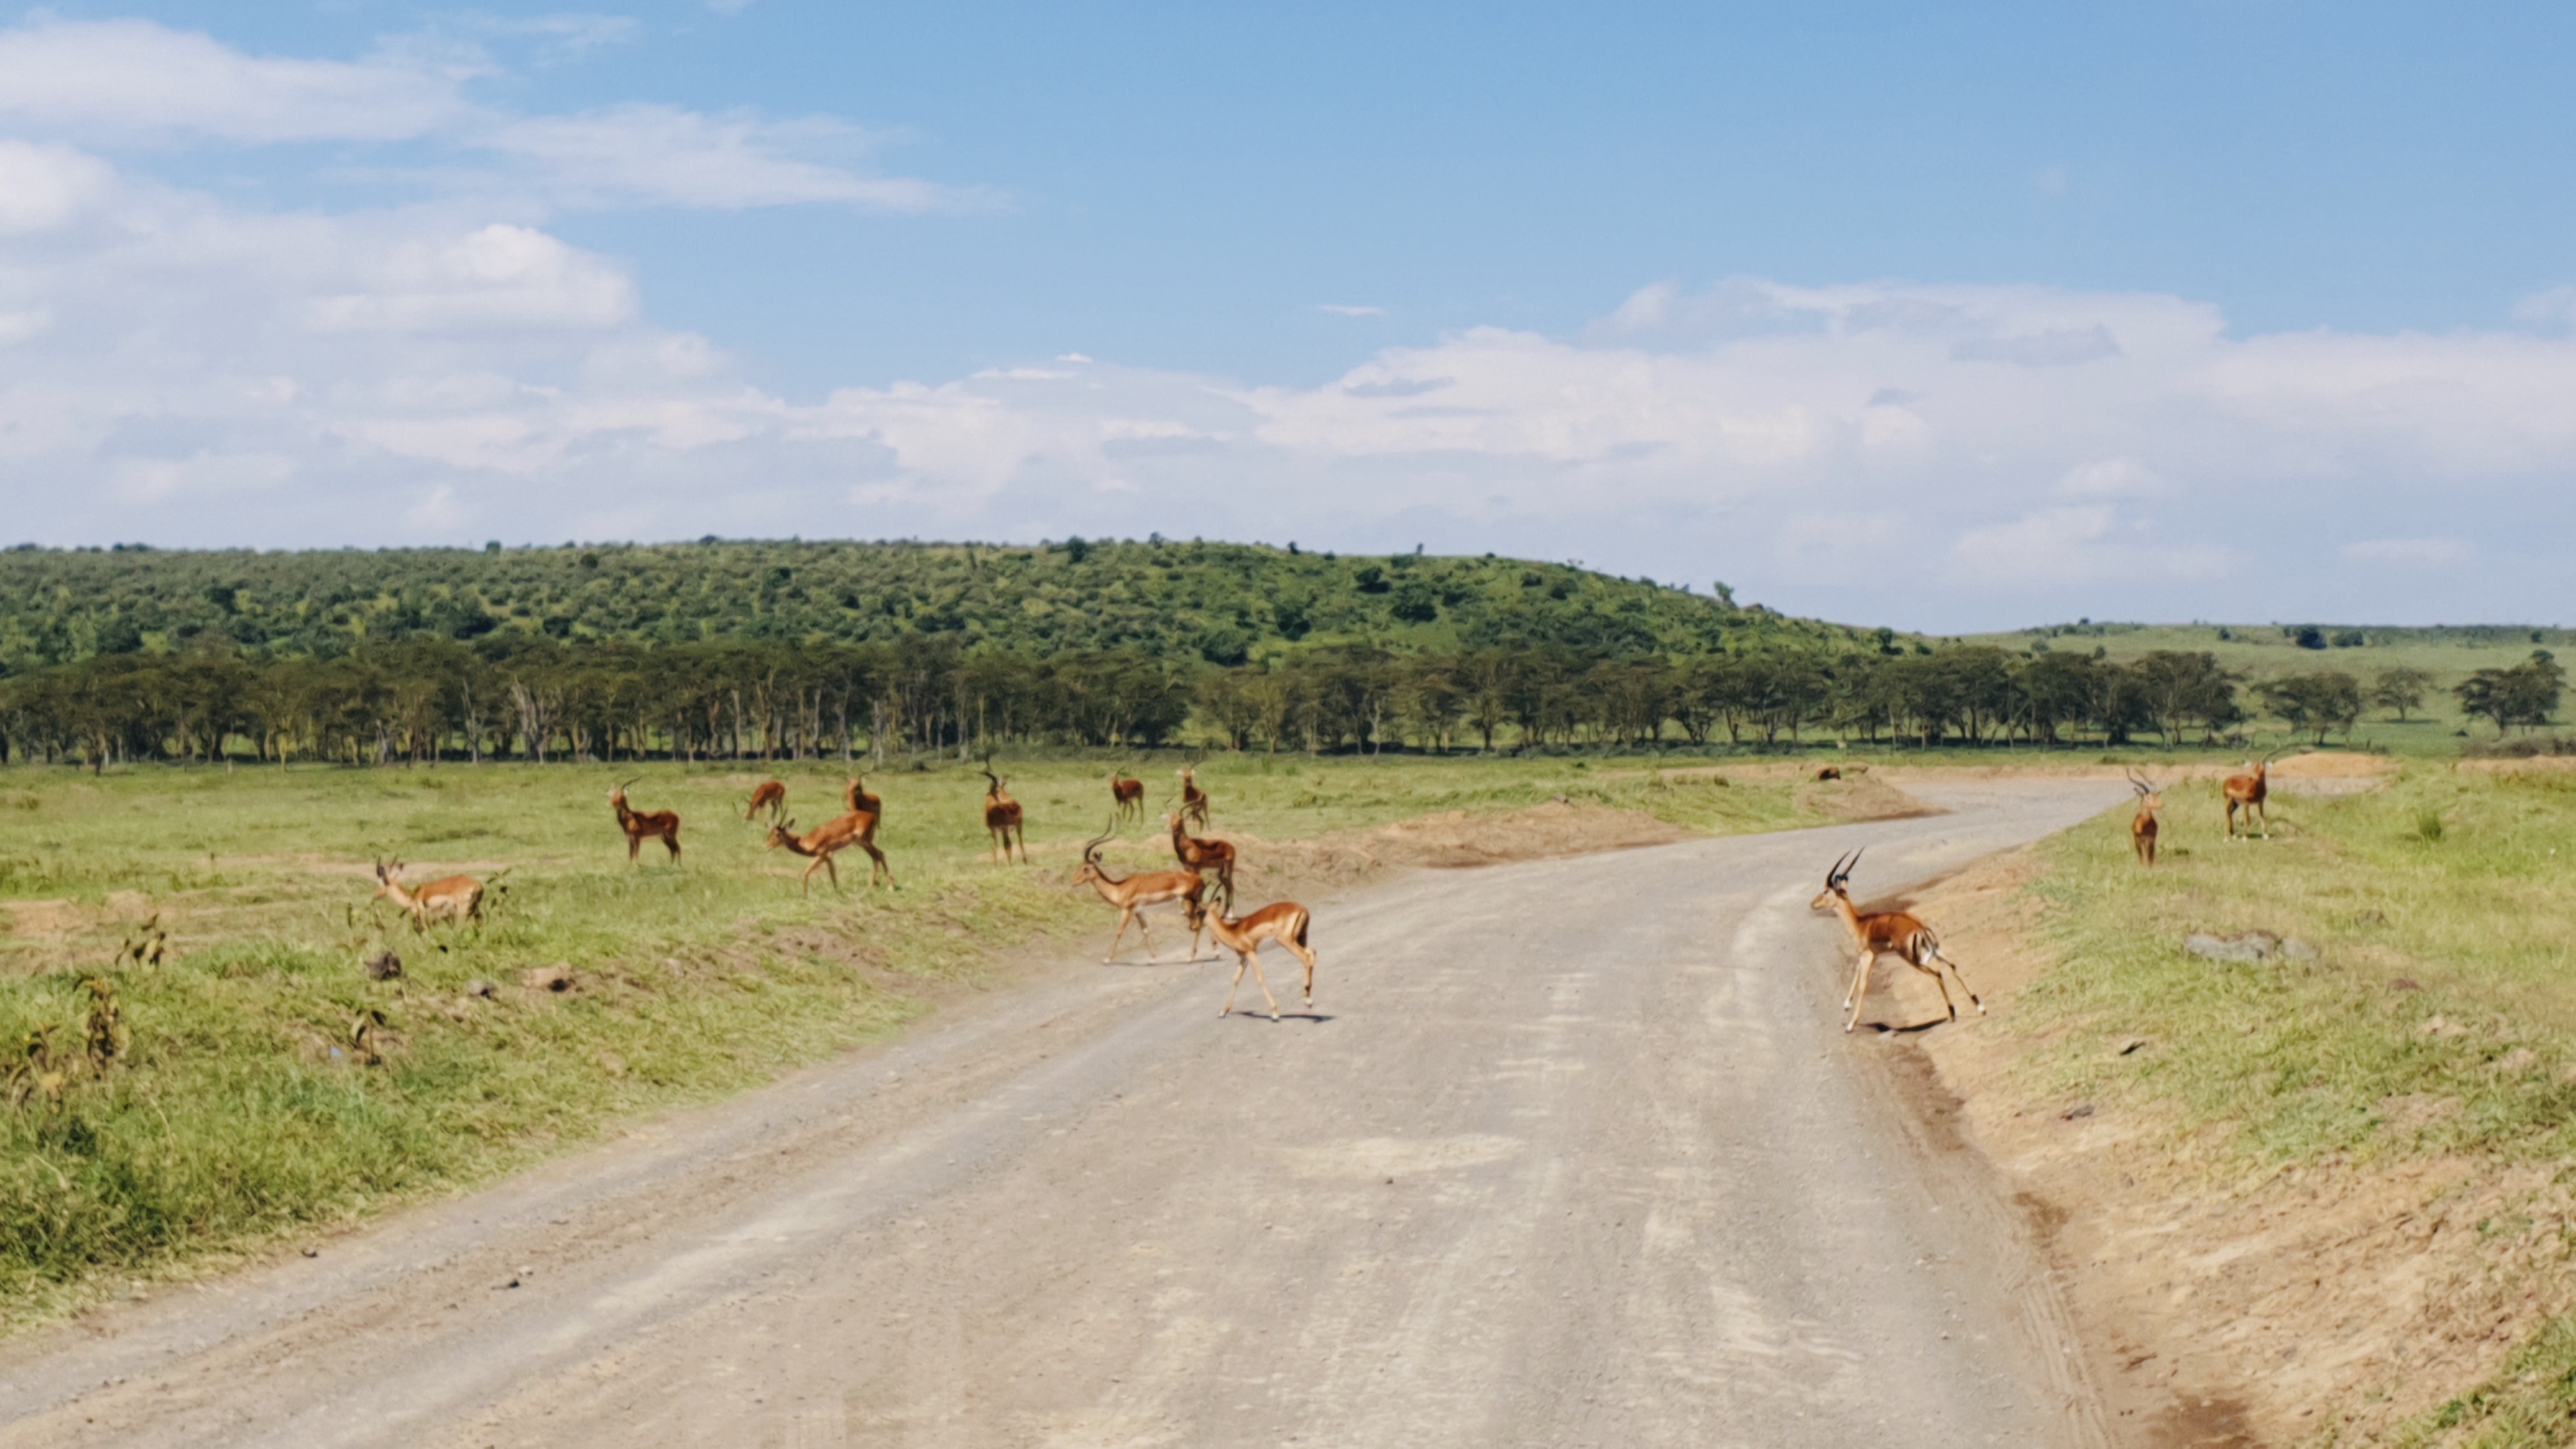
1194,801
1134,893
1885,933
2248,791
1002,819
2142,826
1205,855
640,826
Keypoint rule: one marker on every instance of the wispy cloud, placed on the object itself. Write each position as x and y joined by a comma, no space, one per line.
1347,309
2413,552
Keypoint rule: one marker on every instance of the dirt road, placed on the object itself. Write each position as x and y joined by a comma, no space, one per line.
1572,1154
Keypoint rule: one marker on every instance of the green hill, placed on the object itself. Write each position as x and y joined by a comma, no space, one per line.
1222,603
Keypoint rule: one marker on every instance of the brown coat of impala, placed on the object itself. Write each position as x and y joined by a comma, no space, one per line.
1205,855
662,825
1885,933
1134,893
2142,826
1127,794
858,828
770,796
855,795
457,897
1284,922
1002,820
1194,801
2247,792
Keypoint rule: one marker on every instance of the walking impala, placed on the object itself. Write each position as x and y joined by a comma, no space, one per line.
457,897
663,825
1284,922
1134,893
858,828
1885,933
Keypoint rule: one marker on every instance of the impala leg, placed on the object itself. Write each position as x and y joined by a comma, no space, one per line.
1262,980
879,866
1241,960
1973,999
1860,990
1145,928
1308,954
1125,915
1934,971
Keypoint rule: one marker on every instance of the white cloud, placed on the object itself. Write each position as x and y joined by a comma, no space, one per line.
129,77
1349,309
2412,552
45,187
661,155
497,278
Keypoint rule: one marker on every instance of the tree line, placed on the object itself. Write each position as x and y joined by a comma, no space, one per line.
425,701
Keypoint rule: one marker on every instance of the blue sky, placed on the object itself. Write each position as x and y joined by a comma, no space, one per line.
1948,317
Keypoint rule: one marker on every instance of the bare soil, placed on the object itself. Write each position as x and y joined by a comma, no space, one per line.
2227,1305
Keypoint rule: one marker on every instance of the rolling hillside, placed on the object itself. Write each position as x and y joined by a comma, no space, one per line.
1223,603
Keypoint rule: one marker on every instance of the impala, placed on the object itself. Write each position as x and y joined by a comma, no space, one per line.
1194,801
457,897
640,827
1127,794
856,796
772,797
1284,922
1002,819
1134,893
1205,855
858,828
2248,792
1885,933
2142,826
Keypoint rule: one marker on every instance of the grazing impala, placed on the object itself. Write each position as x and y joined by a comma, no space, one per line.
1284,922
2142,826
2248,792
663,825
1002,819
1134,893
1194,801
1885,933
1205,855
1129,795
457,897
772,797
858,828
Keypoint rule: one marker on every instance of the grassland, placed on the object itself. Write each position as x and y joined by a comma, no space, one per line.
2433,1025
269,1087
2259,652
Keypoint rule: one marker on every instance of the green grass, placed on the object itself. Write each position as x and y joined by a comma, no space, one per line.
2461,882
244,1110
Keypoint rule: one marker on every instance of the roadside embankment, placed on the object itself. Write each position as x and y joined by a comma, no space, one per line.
2320,1195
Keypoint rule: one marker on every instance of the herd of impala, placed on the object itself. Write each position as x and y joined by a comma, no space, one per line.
458,899
1897,933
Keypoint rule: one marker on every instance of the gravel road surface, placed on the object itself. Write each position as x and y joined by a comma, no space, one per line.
1571,1153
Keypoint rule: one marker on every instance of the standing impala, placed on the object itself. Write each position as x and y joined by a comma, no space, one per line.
858,828
1002,819
663,825
2142,826
1205,855
857,797
1127,794
1194,801
1134,893
2248,792
457,897
1885,933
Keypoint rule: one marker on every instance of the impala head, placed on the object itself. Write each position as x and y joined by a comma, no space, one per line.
2151,796
781,834
1091,855
992,782
618,795
388,877
1836,880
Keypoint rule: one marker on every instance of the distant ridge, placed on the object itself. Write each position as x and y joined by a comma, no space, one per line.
1219,602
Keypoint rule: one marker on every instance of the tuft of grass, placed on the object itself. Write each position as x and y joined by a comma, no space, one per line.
2529,1404
2428,825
